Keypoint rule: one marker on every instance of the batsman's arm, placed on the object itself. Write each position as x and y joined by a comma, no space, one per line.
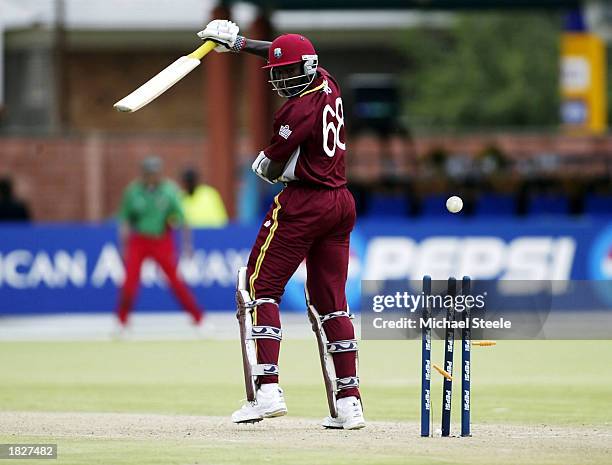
255,47
266,169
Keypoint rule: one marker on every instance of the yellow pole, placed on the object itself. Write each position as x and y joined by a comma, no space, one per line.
583,83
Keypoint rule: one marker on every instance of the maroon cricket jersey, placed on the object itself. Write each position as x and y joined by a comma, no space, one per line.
309,135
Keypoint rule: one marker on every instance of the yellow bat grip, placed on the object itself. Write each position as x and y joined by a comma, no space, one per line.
202,50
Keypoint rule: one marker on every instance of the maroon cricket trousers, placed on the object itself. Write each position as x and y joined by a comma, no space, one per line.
312,223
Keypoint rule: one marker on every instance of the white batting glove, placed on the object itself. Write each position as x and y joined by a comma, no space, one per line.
260,167
221,31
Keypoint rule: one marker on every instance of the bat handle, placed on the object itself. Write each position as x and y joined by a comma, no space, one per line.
203,50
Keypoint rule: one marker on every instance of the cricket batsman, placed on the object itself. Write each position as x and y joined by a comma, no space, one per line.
311,218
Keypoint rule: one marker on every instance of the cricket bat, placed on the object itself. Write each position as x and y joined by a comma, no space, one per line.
165,79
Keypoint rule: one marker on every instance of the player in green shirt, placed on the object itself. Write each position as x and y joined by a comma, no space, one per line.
149,211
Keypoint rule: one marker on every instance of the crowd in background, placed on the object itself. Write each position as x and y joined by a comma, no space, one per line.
11,207
491,184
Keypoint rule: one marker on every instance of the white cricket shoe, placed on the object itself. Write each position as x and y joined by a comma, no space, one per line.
269,403
350,415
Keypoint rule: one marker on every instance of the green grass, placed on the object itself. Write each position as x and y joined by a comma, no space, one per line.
559,382
119,452
563,383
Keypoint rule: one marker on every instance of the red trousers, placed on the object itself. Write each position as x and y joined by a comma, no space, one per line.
162,250
314,224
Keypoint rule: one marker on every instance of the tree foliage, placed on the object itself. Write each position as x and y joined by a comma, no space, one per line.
486,70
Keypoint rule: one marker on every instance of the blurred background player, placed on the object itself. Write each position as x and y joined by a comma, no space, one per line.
11,208
150,210
311,219
202,204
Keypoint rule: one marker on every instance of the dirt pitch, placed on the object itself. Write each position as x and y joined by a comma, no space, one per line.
490,443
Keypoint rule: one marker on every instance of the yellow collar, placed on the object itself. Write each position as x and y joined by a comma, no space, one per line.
319,87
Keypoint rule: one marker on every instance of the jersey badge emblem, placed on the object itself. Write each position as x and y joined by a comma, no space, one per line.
284,131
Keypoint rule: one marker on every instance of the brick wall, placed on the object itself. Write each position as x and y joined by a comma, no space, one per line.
82,178
581,156
74,179
95,81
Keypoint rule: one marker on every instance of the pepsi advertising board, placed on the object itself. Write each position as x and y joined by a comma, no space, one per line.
77,268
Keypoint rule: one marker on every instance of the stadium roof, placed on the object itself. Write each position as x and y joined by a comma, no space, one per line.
414,4
191,14
109,14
